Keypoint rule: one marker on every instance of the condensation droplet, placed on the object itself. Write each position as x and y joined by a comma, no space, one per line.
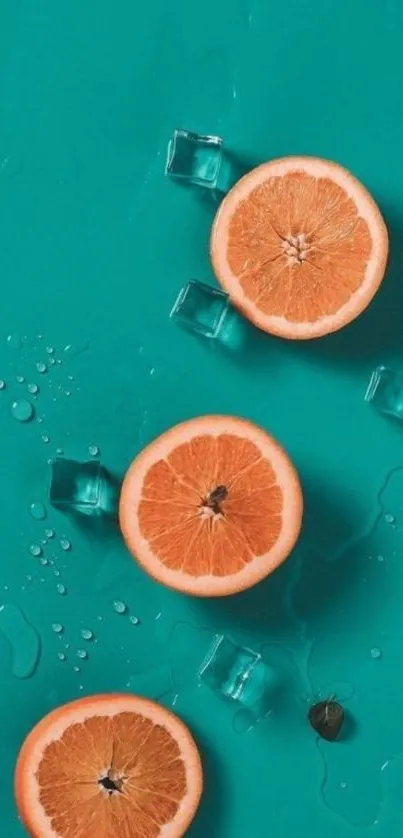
37,511
119,606
35,550
14,341
390,519
20,379
380,559
61,589
76,669
67,393
376,653
61,656
65,544
59,451
44,561
82,654
94,450
2,384
52,361
87,634
50,533
22,410
50,350
41,367
45,438
33,388
57,628
134,620
343,785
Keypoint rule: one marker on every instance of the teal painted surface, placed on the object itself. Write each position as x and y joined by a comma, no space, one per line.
94,246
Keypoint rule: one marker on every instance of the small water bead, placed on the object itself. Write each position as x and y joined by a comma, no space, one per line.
61,589
35,550
56,573
390,519
381,559
50,350
119,606
135,621
45,438
44,541
343,785
76,669
65,544
14,341
41,367
67,645
87,634
2,384
67,393
22,410
37,511
20,379
376,653
61,656
57,628
44,561
82,654
33,389
50,533
94,450
59,451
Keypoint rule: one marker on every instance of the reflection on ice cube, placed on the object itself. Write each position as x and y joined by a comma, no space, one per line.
83,488
385,392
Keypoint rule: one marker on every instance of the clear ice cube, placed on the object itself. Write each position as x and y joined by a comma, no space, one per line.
201,309
238,674
194,158
84,488
385,391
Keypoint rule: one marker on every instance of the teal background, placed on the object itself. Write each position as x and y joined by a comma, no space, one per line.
94,246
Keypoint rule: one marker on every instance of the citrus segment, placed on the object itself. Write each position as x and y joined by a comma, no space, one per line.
300,246
110,766
211,507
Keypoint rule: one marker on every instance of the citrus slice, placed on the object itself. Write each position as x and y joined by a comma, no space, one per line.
108,766
300,246
211,507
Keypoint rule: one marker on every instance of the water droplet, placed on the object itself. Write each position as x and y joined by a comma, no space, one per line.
380,558
61,589
376,653
2,384
33,388
134,620
57,628
343,785
50,533
35,550
87,634
14,341
45,438
81,653
76,669
41,367
65,544
44,561
61,656
52,361
22,410
70,377
67,645
56,573
23,638
390,519
20,379
37,511
119,606
94,450
67,393
59,451
50,350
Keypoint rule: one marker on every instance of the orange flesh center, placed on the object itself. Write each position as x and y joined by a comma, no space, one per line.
298,247
211,506
112,777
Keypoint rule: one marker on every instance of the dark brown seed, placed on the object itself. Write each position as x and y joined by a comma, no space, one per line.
326,718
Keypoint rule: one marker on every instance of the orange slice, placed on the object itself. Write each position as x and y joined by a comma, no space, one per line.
300,246
211,507
108,766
